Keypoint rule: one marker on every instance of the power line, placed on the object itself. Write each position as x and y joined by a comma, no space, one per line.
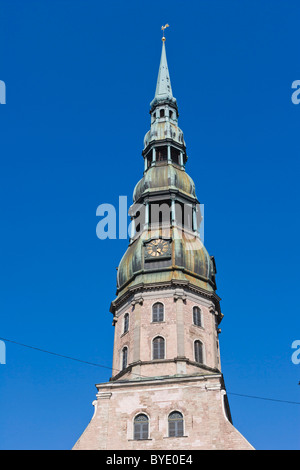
55,354
143,376
264,398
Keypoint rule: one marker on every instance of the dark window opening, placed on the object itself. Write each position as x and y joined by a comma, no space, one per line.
158,348
158,312
137,222
124,357
162,154
197,316
126,322
184,215
162,113
141,427
188,216
198,217
175,156
160,213
179,210
175,421
198,352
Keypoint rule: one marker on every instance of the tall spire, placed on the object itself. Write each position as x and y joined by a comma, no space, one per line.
163,90
163,85
164,141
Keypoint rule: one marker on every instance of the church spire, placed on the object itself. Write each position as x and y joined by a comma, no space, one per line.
163,90
163,86
164,141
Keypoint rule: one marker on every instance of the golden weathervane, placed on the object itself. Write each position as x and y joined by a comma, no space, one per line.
163,29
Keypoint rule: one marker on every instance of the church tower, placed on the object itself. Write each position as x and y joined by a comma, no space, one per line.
167,389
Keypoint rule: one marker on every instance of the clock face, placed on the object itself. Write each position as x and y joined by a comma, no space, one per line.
157,248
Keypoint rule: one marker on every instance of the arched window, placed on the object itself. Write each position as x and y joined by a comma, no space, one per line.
126,322
198,348
158,348
175,421
158,312
197,316
141,427
124,357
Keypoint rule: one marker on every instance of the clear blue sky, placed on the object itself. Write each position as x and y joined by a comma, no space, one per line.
80,75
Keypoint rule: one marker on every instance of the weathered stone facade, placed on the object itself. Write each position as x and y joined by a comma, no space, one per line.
200,399
158,387
177,329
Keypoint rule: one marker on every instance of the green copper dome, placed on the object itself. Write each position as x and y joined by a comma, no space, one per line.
190,263
162,178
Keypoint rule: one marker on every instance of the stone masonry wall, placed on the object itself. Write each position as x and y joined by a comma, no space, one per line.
199,399
177,329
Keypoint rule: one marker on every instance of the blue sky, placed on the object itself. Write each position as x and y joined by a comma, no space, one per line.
80,76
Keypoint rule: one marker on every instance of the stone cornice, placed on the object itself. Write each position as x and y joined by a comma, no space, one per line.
129,368
173,284
162,380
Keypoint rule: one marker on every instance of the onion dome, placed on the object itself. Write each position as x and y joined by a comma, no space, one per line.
190,264
166,177
164,129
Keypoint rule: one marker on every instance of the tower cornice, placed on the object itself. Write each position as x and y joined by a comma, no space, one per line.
130,292
166,362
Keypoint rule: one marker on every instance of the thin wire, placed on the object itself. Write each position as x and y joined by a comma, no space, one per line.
263,398
144,376
55,354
